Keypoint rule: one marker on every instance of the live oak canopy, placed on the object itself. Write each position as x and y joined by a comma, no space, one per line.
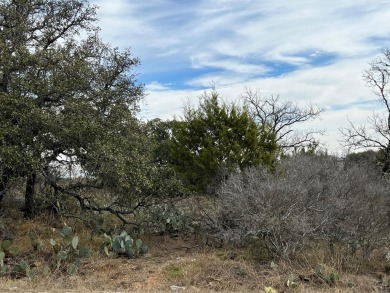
68,100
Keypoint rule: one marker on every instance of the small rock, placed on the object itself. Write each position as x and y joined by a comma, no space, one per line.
177,288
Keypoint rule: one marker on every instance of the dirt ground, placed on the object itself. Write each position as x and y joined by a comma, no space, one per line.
185,266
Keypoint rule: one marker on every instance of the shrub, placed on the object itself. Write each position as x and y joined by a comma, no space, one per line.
307,198
162,219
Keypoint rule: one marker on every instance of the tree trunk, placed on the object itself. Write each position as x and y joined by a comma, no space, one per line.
4,184
386,165
29,196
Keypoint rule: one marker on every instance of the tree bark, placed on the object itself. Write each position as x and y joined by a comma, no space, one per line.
29,196
386,165
4,184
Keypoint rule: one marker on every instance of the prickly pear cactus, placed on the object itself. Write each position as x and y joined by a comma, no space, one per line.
67,252
7,248
123,245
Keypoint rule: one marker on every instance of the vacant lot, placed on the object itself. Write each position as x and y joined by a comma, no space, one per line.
187,262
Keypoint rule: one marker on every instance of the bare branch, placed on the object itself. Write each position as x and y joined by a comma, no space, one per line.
326,201
282,117
377,133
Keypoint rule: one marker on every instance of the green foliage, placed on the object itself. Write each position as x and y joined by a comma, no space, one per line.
368,157
387,265
329,277
310,149
213,140
3,267
23,269
174,271
68,114
66,99
35,243
7,249
387,268
123,245
163,218
18,269
67,254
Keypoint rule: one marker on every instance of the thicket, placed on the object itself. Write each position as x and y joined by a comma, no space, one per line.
306,199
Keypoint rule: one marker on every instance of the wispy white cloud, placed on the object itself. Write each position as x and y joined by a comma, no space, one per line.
305,50
228,64
155,86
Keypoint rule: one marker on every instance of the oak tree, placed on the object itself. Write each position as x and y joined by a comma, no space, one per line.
65,95
376,134
284,118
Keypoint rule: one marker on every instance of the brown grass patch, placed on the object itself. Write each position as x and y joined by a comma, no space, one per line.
184,263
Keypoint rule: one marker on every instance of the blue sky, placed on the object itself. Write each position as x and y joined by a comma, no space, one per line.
308,51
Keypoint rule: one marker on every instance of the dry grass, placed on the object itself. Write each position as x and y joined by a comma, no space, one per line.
197,271
198,268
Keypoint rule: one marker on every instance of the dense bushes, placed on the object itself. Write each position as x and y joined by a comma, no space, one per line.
307,198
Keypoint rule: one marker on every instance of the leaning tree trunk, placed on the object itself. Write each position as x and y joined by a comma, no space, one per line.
29,196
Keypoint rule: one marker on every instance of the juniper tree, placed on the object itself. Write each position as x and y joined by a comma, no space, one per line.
217,137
